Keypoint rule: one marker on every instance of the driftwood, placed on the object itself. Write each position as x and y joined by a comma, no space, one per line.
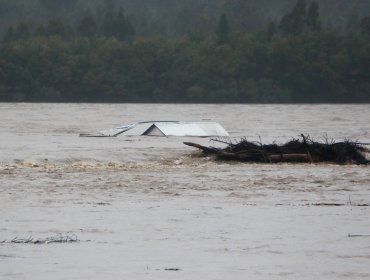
55,239
296,150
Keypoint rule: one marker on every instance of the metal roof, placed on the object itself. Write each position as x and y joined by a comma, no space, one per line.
164,128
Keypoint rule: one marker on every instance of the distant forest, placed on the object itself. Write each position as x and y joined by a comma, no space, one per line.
250,51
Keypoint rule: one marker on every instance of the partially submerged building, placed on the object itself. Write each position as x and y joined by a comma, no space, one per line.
164,128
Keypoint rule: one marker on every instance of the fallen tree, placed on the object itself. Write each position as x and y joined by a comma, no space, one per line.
303,149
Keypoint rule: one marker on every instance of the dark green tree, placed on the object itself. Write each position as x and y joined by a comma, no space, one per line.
56,26
294,22
123,30
271,29
21,31
9,35
353,21
313,20
365,26
108,26
130,31
222,30
87,26
40,30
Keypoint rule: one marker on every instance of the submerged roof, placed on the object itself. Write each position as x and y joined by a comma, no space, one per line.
165,128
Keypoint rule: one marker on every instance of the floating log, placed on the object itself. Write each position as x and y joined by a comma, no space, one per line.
290,158
205,149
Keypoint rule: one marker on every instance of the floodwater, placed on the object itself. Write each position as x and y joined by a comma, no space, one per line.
149,208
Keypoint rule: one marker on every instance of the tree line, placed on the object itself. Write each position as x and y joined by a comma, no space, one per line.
113,24
168,18
293,60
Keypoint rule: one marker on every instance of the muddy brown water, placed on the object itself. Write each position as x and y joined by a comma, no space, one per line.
149,208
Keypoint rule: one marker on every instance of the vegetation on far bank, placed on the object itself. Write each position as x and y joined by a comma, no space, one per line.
293,60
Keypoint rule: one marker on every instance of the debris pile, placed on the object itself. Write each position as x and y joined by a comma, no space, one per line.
302,149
